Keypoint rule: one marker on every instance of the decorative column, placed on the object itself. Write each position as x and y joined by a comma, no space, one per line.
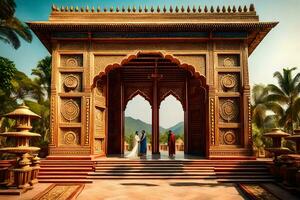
155,112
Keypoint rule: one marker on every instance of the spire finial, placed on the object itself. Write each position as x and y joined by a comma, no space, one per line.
152,9
245,9
234,9
218,9
240,9
199,9
182,8
171,9
177,9
76,9
205,9
194,9
188,9
87,9
140,9
146,9
212,9
229,9
252,7
158,9
98,9
123,9
164,9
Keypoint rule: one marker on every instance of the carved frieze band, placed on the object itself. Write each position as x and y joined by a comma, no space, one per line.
87,132
52,120
249,121
212,120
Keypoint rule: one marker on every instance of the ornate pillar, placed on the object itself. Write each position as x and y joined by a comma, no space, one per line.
155,119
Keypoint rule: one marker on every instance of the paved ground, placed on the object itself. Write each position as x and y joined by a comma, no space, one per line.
159,189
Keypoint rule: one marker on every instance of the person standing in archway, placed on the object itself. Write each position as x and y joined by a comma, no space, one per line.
143,143
171,143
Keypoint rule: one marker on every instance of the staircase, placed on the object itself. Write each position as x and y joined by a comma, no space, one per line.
65,171
221,171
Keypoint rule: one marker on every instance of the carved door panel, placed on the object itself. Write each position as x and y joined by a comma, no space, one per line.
100,117
115,114
196,119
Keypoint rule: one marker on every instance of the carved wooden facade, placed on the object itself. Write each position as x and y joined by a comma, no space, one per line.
101,60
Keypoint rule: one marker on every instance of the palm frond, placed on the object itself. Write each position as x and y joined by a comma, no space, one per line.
10,36
20,28
278,98
275,89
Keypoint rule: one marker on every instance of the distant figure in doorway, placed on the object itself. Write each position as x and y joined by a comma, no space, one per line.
171,143
143,141
136,149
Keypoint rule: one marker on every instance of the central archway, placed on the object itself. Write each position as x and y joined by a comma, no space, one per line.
155,76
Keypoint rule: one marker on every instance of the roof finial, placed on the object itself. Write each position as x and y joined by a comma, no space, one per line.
182,8
62,9
93,9
205,9
223,9
87,9
105,9
140,9
234,9
212,9
111,9
171,9
245,9
229,9
177,9
158,9
71,8
252,7
146,9
123,9
188,9
199,9
98,9
218,9
53,7
133,8
152,9
117,9
194,9
164,9
128,9
76,9
67,9
240,9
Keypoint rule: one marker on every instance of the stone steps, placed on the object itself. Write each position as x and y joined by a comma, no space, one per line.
152,177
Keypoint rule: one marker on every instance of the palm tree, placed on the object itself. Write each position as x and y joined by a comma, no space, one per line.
286,94
43,81
261,106
10,26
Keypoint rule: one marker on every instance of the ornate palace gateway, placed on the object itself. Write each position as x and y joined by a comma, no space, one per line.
103,58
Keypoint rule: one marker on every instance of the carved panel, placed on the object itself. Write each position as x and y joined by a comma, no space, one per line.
99,122
100,91
226,45
70,110
229,82
228,60
70,136
99,145
71,60
178,92
197,61
102,61
87,126
229,109
71,82
143,90
229,136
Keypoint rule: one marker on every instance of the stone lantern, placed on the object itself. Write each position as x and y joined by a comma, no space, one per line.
296,139
276,135
24,172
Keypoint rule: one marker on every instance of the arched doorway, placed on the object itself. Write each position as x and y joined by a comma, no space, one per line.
171,117
155,76
137,118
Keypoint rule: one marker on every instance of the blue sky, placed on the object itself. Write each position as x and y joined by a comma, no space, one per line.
279,49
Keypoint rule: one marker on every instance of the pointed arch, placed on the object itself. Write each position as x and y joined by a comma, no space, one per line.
174,94
162,54
136,93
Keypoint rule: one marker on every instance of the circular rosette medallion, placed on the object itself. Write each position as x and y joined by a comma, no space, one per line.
228,110
228,62
71,81
70,110
228,81
70,137
229,137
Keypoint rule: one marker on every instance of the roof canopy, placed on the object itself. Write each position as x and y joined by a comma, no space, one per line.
176,23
